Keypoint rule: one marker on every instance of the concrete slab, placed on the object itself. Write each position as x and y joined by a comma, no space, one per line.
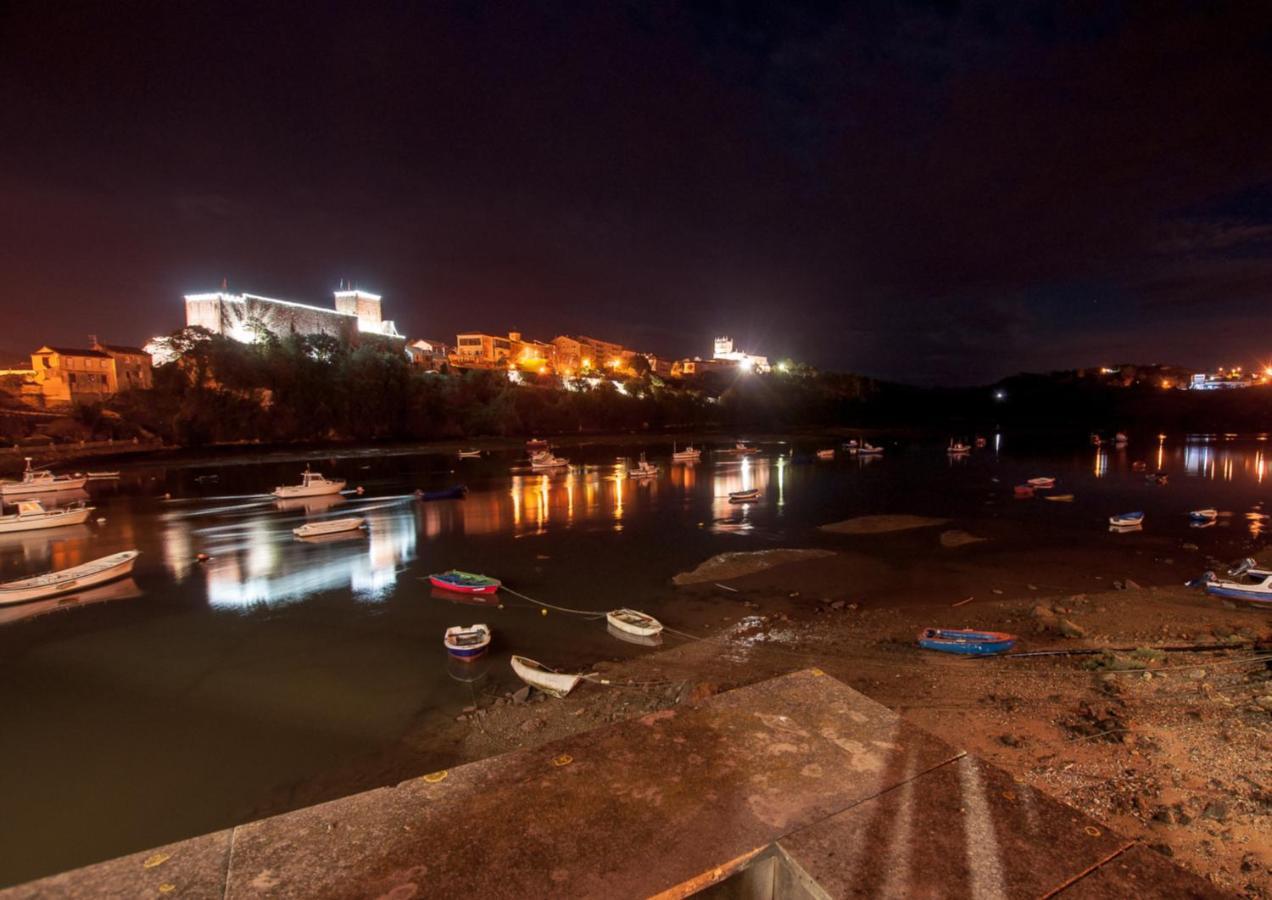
965,824
638,807
831,791
1140,872
192,868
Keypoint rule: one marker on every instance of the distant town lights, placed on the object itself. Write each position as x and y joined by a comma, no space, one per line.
1000,394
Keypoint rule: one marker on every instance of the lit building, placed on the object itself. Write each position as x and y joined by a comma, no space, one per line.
428,354
724,350
696,366
355,314
576,354
476,350
62,376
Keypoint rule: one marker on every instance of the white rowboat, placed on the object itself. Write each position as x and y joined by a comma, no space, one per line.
539,676
688,454
329,526
41,481
470,454
634,622
76,578
32,516
312,484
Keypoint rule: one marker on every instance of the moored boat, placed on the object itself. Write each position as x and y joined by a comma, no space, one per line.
539,676
467,643
465,582
32,516
544,459
454,492
868,449
634,622
329,526
40,481
1059,498
744,496
102,476
826,454
469,454
536,444
958,448
1204,515
741,448
687,454
76,578
1127,520
312,484
1248,584
1041,482
966,641
643,469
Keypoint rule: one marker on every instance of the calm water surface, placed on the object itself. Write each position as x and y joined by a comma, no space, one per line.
177,701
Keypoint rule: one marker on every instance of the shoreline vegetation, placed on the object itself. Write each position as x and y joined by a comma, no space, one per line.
316,391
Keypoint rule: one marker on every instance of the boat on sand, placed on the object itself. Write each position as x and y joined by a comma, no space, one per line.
966,641
539,676
634,622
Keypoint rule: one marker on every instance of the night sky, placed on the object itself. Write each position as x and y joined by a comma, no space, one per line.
931,192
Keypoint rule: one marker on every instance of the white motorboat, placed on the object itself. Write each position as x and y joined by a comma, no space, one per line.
744,496
467,642
869,449
539,676
312,484
544,459
76,578
40,481
643,469
741,448
825,454
470,454
32,516
329,526
634,622
688,454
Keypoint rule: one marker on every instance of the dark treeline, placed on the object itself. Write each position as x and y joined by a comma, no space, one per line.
300,388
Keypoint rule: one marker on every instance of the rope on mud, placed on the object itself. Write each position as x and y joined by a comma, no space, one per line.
588,613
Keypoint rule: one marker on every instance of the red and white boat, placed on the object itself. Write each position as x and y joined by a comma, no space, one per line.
465,582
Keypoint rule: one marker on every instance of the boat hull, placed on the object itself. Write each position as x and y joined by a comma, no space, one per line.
554,683
334,526
467,651
290,491
478,590
50,520
1246,594
966,643
635,623
27,489
77,578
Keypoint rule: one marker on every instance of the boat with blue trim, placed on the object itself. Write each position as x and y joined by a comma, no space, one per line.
467,642
966,641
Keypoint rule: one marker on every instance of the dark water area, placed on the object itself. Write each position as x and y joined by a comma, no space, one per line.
182,699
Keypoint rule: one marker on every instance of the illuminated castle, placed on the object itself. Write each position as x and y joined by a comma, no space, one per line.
243,316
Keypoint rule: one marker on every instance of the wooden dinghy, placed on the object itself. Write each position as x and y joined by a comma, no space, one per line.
540,677
744,496
329,526
465,582
634,622
76,578
966,641
467,642
1127,520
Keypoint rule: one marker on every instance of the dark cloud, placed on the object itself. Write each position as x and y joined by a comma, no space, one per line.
933,191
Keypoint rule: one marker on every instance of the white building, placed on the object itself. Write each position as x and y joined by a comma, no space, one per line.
241,316
724,350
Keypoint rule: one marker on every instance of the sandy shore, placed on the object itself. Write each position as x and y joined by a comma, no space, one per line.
1168,747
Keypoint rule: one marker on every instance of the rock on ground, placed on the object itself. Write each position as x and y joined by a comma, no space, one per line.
958,538
724,566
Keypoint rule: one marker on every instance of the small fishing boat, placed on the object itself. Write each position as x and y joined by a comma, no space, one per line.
32,516
688,454
544,459
1249,584
1059,498
40,481
741,448
852,446
102,476
536,444
465,582
76,578
329,526
958,448
966,641
467,643
455,492
312,484
1022,491
539,676
470,454
868,449
643,469
634,622
629,638
744,496
1126,520
1041,482
826,454
1204,515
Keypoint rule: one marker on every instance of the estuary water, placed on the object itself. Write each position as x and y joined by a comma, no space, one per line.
189,696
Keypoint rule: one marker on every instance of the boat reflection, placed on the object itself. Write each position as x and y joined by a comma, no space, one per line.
488,600
126,589
309,505
650,640
467,671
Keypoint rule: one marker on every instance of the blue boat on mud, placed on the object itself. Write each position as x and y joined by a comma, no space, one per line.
1246,583
966,641
455,492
